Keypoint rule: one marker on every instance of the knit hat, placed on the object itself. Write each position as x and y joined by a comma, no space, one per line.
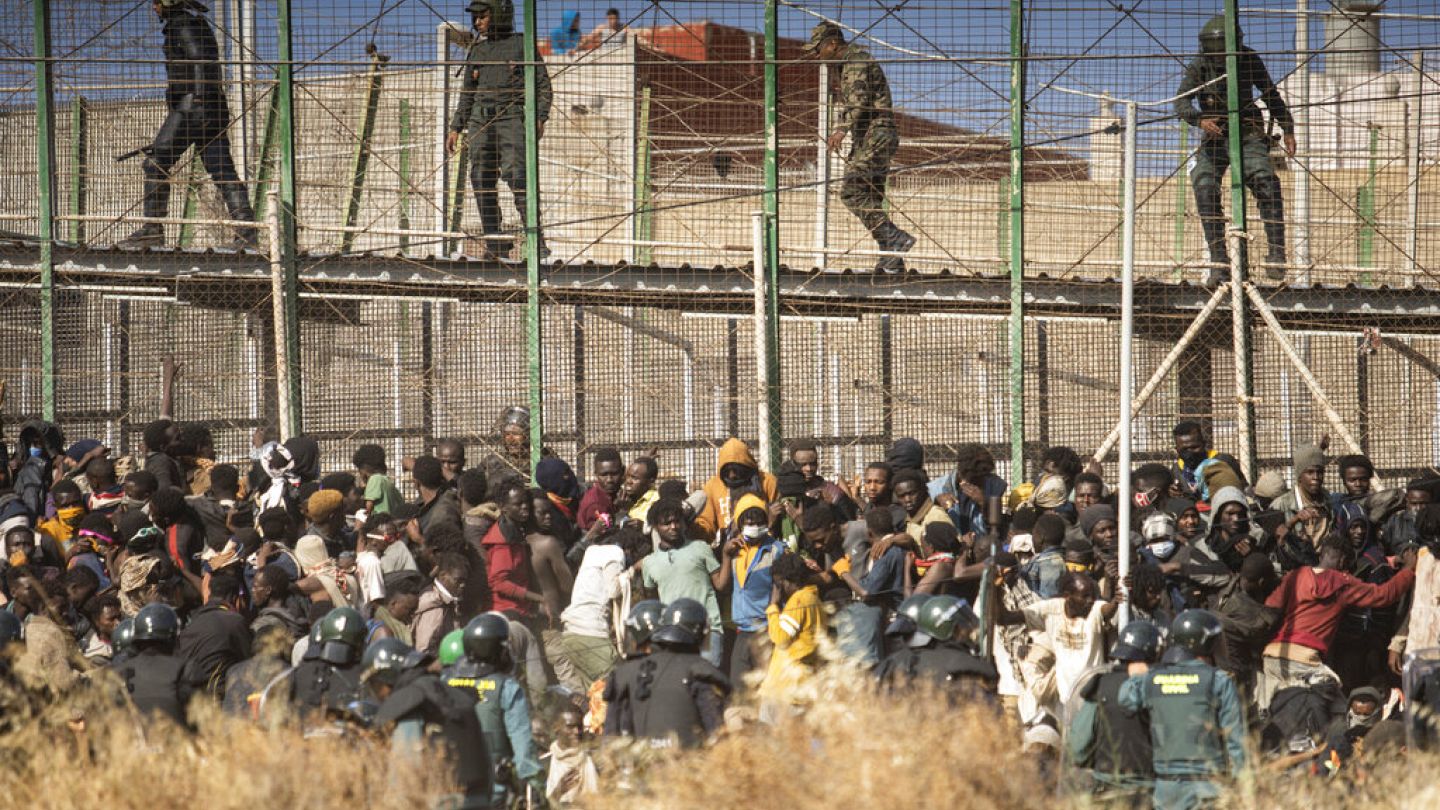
906,454
1092,516
323,504
557,478
1224,496
747,502
1271,485
1308,456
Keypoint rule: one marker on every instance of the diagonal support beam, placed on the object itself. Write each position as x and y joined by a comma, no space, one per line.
1163,370
1331,415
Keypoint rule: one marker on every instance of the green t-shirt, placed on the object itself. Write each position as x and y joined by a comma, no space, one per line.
684,573
383,493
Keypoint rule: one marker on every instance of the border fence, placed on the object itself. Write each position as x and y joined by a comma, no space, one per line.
704,277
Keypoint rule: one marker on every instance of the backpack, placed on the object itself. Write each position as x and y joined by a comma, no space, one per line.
1301,711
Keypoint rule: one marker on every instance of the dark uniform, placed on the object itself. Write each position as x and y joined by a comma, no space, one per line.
951,665
867,111
667,697
197,116
156,684
1203,95
424,709
492,109
319,685
1197,729
504,715
1112,742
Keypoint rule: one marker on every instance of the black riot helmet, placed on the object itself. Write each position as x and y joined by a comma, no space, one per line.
684,623
1139,641
485,639
644,619
157,622
1195,632
342,634
386,659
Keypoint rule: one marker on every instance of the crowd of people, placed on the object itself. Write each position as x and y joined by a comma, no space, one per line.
501,608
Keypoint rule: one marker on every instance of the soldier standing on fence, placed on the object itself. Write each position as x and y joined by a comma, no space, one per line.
866,114
1204,86
492,109
197,116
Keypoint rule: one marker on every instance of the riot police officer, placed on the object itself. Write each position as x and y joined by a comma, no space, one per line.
672,696
197,116
1202,102
122,642
640,626
328,679
421,709
452,650
153,676
1197,723
1111,742
500,703
492,109
939,651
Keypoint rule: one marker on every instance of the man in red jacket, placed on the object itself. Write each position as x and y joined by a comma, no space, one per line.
507,557
1311,600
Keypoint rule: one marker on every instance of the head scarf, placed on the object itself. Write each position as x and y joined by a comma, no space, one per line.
557,479
277,462
306,455
310,552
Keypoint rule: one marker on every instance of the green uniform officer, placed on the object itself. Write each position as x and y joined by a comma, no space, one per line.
501,707
1202,103
866,114
1197,723
492,110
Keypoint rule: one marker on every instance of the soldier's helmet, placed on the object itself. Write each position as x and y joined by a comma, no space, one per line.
1195,632
940,617
342,635
502,12
1212,35
157,622
387,659
684,622
1139,641
485,638
643,620
123,639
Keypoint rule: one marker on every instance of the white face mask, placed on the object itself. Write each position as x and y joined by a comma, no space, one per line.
753,532
1163,549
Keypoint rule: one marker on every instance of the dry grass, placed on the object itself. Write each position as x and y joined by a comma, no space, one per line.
850,748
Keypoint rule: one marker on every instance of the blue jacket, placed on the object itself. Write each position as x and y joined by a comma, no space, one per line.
563,37
748,601
1043,572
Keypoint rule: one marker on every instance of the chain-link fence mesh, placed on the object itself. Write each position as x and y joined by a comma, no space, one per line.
651,163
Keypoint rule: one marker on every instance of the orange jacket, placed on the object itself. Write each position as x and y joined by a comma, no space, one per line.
719,501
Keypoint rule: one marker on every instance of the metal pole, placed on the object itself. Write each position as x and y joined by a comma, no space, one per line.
822,169
1365,203
1412,174
643,227
279,315
288,204
1182,178
446,162
45,175
1017,240
762,414
1331,415
1162,371
360,161
1239,248
79,166
406,191
533,327
1127,332
771,268
1301,108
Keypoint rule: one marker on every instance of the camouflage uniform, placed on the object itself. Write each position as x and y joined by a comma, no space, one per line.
866,110
492,108
1203,95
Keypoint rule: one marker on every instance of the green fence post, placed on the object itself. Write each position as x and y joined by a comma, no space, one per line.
45,178
533,325
644,225
1241,315
1017,240
288,202
79,167
772,233
1182,179
1365,205
264,167
191,207
403,208
361,160
456,212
